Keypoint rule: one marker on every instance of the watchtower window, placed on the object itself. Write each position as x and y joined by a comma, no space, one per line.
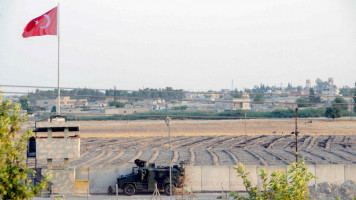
32,145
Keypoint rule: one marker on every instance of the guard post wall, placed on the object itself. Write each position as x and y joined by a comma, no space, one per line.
215,178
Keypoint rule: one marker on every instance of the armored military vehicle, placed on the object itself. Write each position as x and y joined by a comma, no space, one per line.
144,177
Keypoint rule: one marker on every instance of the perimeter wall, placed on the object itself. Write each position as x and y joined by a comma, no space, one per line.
208,178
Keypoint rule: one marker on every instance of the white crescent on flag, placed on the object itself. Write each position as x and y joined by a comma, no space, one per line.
48,21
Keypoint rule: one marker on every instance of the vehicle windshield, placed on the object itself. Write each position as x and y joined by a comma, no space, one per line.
135,170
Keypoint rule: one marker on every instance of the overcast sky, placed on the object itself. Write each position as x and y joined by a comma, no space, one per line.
189,44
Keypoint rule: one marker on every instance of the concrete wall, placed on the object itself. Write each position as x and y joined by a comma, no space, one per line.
204,178
101,178
62,179
57,148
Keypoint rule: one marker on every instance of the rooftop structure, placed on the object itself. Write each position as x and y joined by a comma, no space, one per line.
56,139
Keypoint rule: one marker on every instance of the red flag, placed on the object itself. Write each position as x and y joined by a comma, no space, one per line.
45,24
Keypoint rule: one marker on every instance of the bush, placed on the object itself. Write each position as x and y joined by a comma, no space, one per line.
117,104
292,184
180,107
302,102
341,102
311,112
13,168
333,112
210,115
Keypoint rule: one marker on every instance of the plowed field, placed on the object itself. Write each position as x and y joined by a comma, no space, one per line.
267,142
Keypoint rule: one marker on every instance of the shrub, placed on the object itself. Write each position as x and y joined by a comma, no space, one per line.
282,185
334,111
13,168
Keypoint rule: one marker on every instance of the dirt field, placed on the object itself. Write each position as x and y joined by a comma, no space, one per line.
216,127
268,142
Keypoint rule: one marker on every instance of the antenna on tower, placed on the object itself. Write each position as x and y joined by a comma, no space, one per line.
232,85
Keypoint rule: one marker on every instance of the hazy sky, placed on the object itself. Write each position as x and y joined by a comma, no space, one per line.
189,44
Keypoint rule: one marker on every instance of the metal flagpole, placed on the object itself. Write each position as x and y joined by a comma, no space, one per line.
59,91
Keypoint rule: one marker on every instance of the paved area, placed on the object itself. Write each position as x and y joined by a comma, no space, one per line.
201,196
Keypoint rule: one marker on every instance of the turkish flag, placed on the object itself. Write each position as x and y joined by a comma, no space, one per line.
45,24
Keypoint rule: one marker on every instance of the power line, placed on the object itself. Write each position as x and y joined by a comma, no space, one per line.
174,92
163,116
187,100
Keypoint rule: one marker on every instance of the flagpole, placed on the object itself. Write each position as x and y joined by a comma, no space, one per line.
59,91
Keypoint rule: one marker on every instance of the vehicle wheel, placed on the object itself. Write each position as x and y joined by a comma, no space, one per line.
167,189
129,189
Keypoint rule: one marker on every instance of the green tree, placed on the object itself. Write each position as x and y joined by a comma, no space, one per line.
321,84
312,97
302,102
333,112
117,104
341,102
258,98
13,168
236,94
180,107
85,108
282,185
299,88
24,102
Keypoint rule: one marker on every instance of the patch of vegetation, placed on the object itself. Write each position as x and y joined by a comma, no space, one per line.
117,104
180,107
303,102
209,115
292,184
333,112
13,169
85,108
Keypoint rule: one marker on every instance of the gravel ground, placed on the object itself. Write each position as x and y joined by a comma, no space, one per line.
201,196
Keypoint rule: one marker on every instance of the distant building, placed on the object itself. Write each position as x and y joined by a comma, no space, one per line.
297,93
194,96
330,91
307,86
212,97
81,102
124,111
331,81
282,101
47,103
201,97
66,101
233,104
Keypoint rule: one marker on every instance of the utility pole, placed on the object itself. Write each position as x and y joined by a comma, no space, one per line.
352,101
245,132
351,108
168,123
296,135
115,95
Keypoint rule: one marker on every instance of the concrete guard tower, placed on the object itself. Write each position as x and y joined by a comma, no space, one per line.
58,139
58,143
